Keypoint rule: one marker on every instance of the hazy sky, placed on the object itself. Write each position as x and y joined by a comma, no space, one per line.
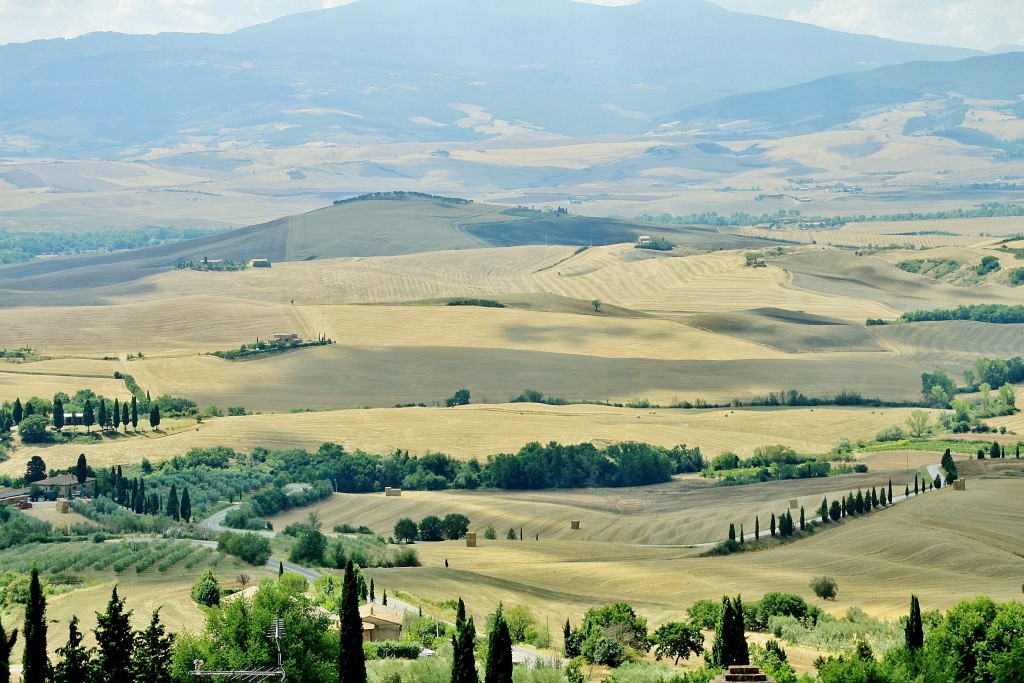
981,24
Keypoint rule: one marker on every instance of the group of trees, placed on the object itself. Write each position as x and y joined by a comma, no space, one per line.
432,528
120,654
984,313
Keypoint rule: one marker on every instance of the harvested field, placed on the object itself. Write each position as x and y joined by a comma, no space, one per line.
476,431
788,331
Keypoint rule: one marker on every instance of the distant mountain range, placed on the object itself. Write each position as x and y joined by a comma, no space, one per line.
841,99
381,70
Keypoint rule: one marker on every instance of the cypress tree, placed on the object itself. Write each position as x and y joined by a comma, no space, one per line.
499,651
81,469
151,658
115,641
124,416
915,483
732,532
35,665
134,493
58,414
906,492
373,597
116,414
858,503
802,523
757,528
19,412
102,414
890,490
730,644
384,598
771,525
135,413
742,535
88,416
29,409
463,662
823,510
351,661
280,569
140,500
154,417
172,510
6,645
75,664
995,452
914,627
186,506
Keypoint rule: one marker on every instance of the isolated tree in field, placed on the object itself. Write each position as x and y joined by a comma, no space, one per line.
6,645
498,668
115,415
825,587
511,535
58,414
914,627
460,398
949,466
35,470
19,411
35,665
173,509
917,422
730,644
206,589
151,658
115,641
890,489
154,417
135,413
679,640
835,511
186,506
406,530
351,660
88,416
454,526
101,418
596,303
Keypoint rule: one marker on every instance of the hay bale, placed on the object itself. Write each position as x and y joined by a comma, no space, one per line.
470,539
388,491
63,506
574,524
960,485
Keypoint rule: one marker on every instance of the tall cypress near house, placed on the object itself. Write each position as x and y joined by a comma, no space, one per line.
914,627
135,413
186,506
499,651
75,663
115,641
6,645
88,416
58,414
351,661
35,665
116,414
102,417
81,469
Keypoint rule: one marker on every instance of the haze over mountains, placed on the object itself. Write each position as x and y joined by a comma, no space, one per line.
413,70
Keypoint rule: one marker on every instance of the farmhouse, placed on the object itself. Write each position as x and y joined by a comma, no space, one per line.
643,239
380,623
286,338
259,263
71,419
65,485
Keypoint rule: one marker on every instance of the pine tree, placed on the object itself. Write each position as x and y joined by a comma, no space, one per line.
75,664
151,658
186,506
114,641
154,417
35,665
463,662
116,415
351,661
135,413
6,645
58,414
914,627
499,651
173,510
88,417
19,412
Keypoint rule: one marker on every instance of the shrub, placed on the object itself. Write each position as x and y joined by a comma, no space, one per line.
490,534
252,548
890,433
206,589
390,649
825,587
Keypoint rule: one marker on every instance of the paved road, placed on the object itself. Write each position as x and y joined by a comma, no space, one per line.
215,523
